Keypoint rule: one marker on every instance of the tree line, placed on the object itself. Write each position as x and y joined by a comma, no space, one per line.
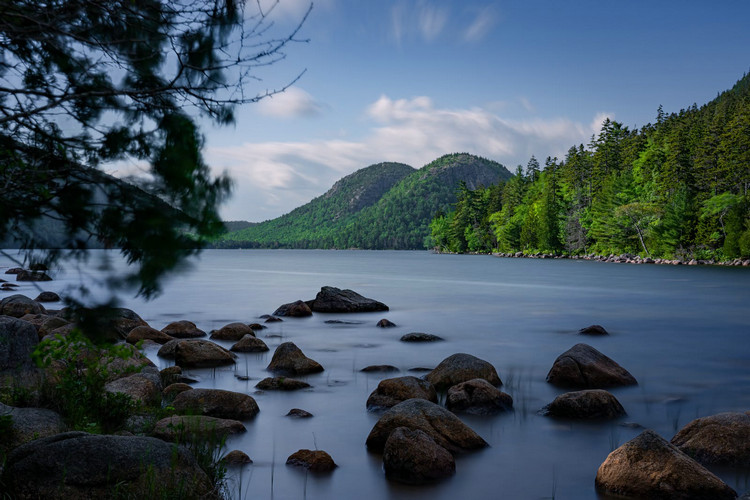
677,188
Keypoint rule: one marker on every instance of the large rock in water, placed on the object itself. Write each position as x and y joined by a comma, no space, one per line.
584,367
722,439
479,397
588,404
85,466
289,359
216,403
232,331
334,300
650,467
413,457
460,368
392,391
183,329
20,305
200,354
298,309
314,460
249,343
441,425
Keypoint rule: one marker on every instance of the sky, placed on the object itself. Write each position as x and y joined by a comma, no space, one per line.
411,80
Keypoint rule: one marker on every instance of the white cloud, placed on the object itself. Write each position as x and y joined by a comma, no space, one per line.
481,26
421,17
292,103
431,21
273,178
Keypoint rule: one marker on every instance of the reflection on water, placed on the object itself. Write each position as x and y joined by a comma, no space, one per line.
681,331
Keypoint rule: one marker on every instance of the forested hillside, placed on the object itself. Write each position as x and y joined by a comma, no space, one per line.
677,188
388,205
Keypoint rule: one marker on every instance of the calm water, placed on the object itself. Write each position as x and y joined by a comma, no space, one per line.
681,331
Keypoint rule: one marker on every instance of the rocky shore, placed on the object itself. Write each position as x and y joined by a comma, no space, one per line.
626,258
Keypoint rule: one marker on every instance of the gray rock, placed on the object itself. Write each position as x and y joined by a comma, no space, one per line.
420,337
29,424
19,305
172,390
298,309
81,465
384,323
413,457
18,339
47,297
32,276
650,467
281,384
584,367
440,424
236,457
183,329
298,413
588,404
459,368
200,354
593,330
249,343
143,389
392,391
722,439
188,427
379,369
314,460
216,403
334,300
232,331
142,332
289,359
479,397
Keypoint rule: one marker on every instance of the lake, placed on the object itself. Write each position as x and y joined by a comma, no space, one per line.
681,331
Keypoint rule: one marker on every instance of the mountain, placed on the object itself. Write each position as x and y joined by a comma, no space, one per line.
388,205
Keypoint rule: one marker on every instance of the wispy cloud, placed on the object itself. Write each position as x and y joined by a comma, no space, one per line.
483,23
272,178
431,20
292,103
422,18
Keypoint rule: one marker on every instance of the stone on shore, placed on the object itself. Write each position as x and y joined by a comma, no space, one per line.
478,397
18,339
143,388
28,424
462,367
587,404
441,425
289,359
584,367
216,403
413,457
334,300
648,466
722,439
393,391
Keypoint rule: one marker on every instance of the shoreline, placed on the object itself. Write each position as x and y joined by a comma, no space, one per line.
627,259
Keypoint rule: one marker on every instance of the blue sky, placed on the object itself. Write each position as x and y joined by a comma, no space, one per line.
411,80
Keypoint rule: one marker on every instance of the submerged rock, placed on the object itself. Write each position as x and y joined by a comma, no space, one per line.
588,404
479,397
441,425
392,391
420,337
281,384
584,367
47,297
413,457
462,367
722,439
650,467
334,300
288,358
593,330
298,309
249,343
379,369
232,331
236,457
183,330
298,413
188,427
384,323
314,460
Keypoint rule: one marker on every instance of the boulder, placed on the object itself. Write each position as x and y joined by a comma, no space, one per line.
273,319
289,359
257,326
593,330
722,439
459,368
298,309
588,404
170,375
85,466
479,397
249,343
143,389
167,350
183,329
172,390
216,403
29,424
413,457
18,339
392,391
420,337
32,276
232,331
51,324
281,384
334,300
384,323
118,322
14,270
201,354
236,457
187,427
314,460
19,305
379,369
298,413
441,425
47,297
650,467
147,333
584,367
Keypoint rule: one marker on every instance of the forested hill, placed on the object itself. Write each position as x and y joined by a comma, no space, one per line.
678,188
388,205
